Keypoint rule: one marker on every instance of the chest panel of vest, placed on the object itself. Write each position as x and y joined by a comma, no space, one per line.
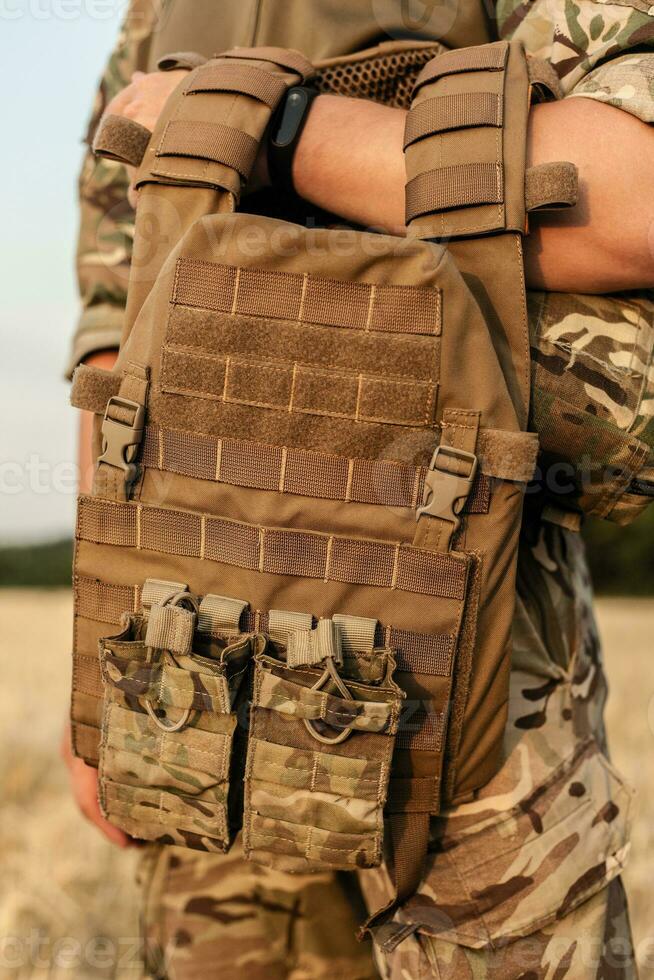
311,455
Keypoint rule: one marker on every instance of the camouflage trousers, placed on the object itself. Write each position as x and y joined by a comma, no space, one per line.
521,883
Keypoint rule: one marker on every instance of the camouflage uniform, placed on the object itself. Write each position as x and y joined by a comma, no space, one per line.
523,881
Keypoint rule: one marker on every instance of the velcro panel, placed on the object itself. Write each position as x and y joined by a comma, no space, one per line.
280,552
307,298
209,141
298,388
246,79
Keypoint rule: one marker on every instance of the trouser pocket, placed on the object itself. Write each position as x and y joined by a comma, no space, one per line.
168,729
322,732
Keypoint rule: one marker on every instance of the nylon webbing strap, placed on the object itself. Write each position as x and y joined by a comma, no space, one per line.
220,614
282,622
452,112
465,143
409,842
483,57
452,475
286,58
357,633
307,648
170,628
503,455
122,433
156,591
416,653
274,551
209,141
248,80
454,187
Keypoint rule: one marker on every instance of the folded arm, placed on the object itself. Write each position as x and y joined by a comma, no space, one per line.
350,162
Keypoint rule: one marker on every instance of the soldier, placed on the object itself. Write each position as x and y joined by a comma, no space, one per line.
514,885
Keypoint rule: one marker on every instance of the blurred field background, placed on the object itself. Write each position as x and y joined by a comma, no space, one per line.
68,904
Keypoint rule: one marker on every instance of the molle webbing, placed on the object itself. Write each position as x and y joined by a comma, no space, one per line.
417,653
331,558
470,114
502,455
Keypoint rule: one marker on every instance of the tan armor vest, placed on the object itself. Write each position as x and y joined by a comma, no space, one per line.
312,456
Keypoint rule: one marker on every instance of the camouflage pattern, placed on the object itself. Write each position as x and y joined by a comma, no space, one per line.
601,346
204,917
524,880
168,786
309,805
106,230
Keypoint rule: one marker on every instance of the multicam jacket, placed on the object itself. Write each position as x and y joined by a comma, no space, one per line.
603,51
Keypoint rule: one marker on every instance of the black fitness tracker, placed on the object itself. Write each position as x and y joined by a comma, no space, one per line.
286,129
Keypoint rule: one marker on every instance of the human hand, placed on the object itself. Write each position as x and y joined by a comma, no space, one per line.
84,784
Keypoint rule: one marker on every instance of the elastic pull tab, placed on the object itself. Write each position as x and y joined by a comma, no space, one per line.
448,483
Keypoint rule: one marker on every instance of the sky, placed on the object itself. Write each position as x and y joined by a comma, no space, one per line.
52,53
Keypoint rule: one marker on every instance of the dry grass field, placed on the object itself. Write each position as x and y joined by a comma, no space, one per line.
67,899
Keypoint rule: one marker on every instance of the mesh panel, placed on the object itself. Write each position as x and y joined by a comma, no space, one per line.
100,601
385,78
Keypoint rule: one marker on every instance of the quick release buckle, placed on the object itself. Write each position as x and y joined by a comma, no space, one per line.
445,491
120,440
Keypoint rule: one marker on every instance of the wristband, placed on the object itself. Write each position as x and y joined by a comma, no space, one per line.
286,129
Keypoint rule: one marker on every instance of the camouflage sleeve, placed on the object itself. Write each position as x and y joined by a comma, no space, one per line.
106,218
602,51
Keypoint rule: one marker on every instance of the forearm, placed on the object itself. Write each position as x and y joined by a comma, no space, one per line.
350,162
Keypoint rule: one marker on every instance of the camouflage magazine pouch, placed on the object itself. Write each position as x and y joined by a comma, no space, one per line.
322,733
168,726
